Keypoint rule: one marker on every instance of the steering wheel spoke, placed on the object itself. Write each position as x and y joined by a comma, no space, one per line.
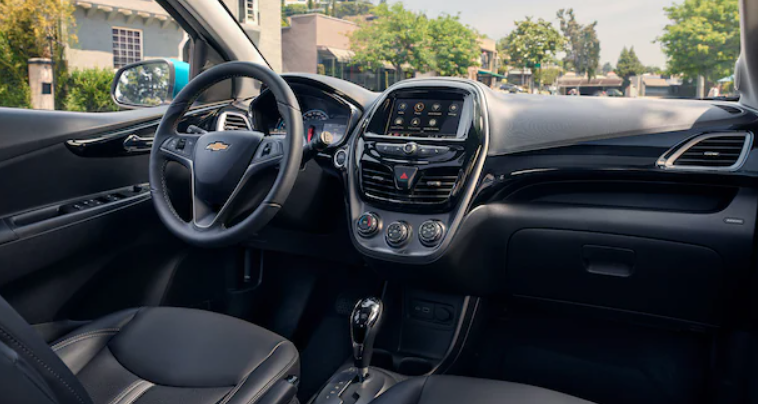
179,148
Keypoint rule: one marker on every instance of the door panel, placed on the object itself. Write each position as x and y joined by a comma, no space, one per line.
64,217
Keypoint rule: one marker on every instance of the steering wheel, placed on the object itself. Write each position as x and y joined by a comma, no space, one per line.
222,163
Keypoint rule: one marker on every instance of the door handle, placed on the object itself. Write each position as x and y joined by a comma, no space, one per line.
134,143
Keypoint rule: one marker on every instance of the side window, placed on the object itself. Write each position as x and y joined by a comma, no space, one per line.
77,52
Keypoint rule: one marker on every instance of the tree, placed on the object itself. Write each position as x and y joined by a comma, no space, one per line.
351,8
533,42
583,45
703,38
607,68
653,70
397,36
549,75
454,46
629,65
32,29
90,90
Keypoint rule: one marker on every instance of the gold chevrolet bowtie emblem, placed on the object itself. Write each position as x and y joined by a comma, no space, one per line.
217,146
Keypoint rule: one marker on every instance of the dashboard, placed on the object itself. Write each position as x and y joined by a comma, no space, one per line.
585,200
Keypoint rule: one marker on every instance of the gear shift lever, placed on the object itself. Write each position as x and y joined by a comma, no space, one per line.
364,325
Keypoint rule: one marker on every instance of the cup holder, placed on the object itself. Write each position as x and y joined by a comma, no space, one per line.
408,366
414,367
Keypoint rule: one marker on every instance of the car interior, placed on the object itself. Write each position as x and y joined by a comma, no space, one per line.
296,238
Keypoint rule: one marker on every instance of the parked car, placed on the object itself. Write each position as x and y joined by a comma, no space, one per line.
511,88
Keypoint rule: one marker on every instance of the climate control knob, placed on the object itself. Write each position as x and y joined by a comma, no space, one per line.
430,232
398,233
368,224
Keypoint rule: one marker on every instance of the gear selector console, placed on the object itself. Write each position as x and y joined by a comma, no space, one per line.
360,384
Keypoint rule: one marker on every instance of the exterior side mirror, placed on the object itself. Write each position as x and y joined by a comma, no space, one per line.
149,83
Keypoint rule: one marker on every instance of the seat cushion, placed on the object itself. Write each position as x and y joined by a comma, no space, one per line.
456,390
167,355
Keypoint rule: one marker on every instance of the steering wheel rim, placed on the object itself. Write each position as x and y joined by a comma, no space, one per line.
214,161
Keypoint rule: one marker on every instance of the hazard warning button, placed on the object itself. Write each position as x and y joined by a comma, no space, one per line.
404,177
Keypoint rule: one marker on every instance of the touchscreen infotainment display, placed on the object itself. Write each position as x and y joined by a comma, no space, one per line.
424,117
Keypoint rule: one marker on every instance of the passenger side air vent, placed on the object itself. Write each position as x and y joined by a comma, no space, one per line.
715,151
232,121
434,186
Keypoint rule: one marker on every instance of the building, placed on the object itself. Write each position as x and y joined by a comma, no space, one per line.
317,43
261,20
114,33
489,62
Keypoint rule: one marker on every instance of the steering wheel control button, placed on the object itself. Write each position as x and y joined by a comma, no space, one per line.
398,234
430,232
410,148
340,159
404,177
367,224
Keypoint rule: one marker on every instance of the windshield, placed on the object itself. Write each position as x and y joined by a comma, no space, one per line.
644,48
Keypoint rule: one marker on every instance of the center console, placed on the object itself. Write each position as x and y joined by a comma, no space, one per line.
414,166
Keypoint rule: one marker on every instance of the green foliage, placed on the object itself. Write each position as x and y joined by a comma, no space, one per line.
31,29
629,65
397,36
582,44
351,8
14,84
607,68
89,90
703,38
549,75
653,70
532,42
454,46
294,9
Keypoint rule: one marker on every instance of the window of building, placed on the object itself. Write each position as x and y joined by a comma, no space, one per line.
127,46
250,11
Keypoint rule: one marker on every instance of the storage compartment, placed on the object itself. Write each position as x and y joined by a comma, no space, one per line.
637,274
662,196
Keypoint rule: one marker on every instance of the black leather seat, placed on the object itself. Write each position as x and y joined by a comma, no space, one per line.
464,390
148,355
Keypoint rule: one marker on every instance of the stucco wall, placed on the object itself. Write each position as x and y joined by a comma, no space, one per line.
266,34
333,32
306,34
299,45
94,47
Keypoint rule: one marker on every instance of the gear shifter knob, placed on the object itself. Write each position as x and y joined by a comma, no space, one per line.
364,325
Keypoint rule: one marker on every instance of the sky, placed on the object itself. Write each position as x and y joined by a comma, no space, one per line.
619,22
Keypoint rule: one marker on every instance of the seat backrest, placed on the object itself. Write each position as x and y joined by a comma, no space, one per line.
30,372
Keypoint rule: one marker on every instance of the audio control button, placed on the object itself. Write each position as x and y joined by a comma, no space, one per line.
430,232
398,233
368,224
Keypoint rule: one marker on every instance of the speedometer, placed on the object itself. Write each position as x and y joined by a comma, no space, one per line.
315,115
